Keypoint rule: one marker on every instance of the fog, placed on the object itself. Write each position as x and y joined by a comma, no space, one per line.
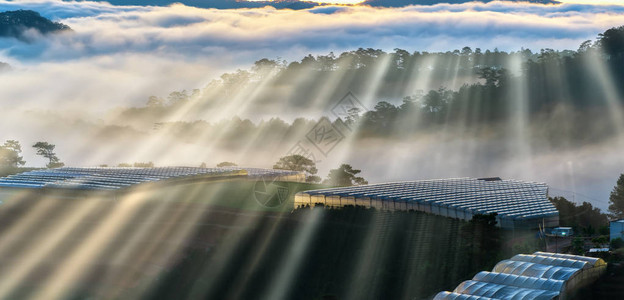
78,90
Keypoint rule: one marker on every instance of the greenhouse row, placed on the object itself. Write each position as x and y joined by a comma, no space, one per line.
538,276
516,203
119,178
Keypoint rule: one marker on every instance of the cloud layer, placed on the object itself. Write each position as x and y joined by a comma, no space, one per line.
104,29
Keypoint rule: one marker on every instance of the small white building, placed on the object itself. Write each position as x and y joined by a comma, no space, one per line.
562,231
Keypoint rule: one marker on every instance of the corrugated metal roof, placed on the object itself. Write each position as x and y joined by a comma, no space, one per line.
508,198
118,178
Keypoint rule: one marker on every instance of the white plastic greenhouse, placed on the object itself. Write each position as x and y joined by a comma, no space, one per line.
541,275
119,178
516,203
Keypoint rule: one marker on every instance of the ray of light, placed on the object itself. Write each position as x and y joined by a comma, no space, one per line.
597,66
125,254
53,238
285,274
254,261
374,245
27,223
175,228
236,104
223,259
520,146
320,100
373,83
57,286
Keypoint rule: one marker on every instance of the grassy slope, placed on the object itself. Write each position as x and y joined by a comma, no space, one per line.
239,194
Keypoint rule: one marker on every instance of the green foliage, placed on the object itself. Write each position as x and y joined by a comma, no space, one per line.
143,164
617,243
10,155
46,150
600,240
226,164
584,218
124,165
482,239
616,199
296,162
612,41
529,246
344,175
489,97
604,230
578,246
15,23
473,105
313,179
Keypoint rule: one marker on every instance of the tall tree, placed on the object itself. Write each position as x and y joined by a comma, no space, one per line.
10,155
46,150
612,41
481,238
616,199
584,218
299,163
345,175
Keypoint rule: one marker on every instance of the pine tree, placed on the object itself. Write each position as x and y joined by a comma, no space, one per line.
616,200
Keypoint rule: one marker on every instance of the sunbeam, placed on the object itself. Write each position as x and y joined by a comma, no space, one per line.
377,149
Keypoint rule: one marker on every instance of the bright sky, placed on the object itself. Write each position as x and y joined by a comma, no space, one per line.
563,1
621,2
594,1
339,1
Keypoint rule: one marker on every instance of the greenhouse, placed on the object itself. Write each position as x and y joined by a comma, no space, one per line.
540,275
517,204
120,178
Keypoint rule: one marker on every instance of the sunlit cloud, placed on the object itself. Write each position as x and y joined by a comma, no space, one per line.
102,29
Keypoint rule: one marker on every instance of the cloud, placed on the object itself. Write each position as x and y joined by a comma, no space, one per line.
104,29
328,10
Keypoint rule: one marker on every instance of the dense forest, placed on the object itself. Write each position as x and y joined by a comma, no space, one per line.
17,23
565,97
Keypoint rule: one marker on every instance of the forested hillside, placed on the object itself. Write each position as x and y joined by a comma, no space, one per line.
17,23
549,94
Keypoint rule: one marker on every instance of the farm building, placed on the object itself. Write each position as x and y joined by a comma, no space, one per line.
517,204
121,178
541,275
616,229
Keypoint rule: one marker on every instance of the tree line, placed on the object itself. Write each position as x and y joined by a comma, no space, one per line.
11,155
571,91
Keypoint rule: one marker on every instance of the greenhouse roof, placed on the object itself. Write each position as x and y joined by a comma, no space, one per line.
540,275
507,198
118,178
